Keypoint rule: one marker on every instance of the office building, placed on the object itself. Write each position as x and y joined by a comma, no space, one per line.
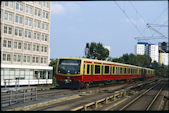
163,58
144,48
25,48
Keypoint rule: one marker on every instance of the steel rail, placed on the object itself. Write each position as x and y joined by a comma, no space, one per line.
137,98
153,100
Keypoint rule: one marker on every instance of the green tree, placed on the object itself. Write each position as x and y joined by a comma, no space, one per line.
97,51
143,60
138,60
53,63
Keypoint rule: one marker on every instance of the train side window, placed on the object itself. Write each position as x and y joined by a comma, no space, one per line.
113,70
120,70
116,70
97,69
131,71
88,68
102,70
91,69
106,69
125,70
84,69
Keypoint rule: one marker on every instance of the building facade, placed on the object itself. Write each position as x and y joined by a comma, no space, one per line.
144,48
163,58
25,48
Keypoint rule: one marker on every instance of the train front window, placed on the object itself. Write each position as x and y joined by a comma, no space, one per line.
69,66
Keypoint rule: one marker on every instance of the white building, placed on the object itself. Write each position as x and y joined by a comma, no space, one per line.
25,37
148,49
140,49
163,58
154,53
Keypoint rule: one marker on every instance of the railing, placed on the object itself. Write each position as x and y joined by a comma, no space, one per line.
14,96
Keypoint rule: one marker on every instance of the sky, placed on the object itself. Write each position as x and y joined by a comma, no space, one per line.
114,24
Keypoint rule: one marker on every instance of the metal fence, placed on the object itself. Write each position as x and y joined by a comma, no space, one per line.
13,96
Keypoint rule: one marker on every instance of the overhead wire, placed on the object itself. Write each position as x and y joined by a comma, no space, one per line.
139,15
144,19
162,12
135,26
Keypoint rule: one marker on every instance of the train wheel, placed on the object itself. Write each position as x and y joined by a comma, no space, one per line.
76,85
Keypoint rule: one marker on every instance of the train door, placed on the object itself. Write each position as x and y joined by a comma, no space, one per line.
143,73
87,76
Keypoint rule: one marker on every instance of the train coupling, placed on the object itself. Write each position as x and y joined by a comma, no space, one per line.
67,81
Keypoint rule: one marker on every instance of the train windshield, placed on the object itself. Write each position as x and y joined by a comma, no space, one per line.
69,66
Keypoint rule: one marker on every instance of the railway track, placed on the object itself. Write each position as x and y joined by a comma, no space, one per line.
105,90
91,99
147,100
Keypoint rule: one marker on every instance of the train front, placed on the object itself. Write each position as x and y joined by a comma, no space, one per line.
68,73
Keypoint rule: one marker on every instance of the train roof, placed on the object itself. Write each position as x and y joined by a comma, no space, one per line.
95,60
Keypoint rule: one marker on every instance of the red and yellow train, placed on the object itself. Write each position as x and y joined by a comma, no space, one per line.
81,72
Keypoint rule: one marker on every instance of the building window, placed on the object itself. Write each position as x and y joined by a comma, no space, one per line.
37,12
28,34
19,6
45,26
43,60
4,57
33,59
37,59
24,59
34,47
19,19
9,4
44,37
45,15
14,58
8,16
37,24
45,49
36,35
28,58
45,4
27,46
4,43
19,45
29,9
15,45
41,48
7,29
28,21
19,58
9,44
37,49
18,32
8,57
